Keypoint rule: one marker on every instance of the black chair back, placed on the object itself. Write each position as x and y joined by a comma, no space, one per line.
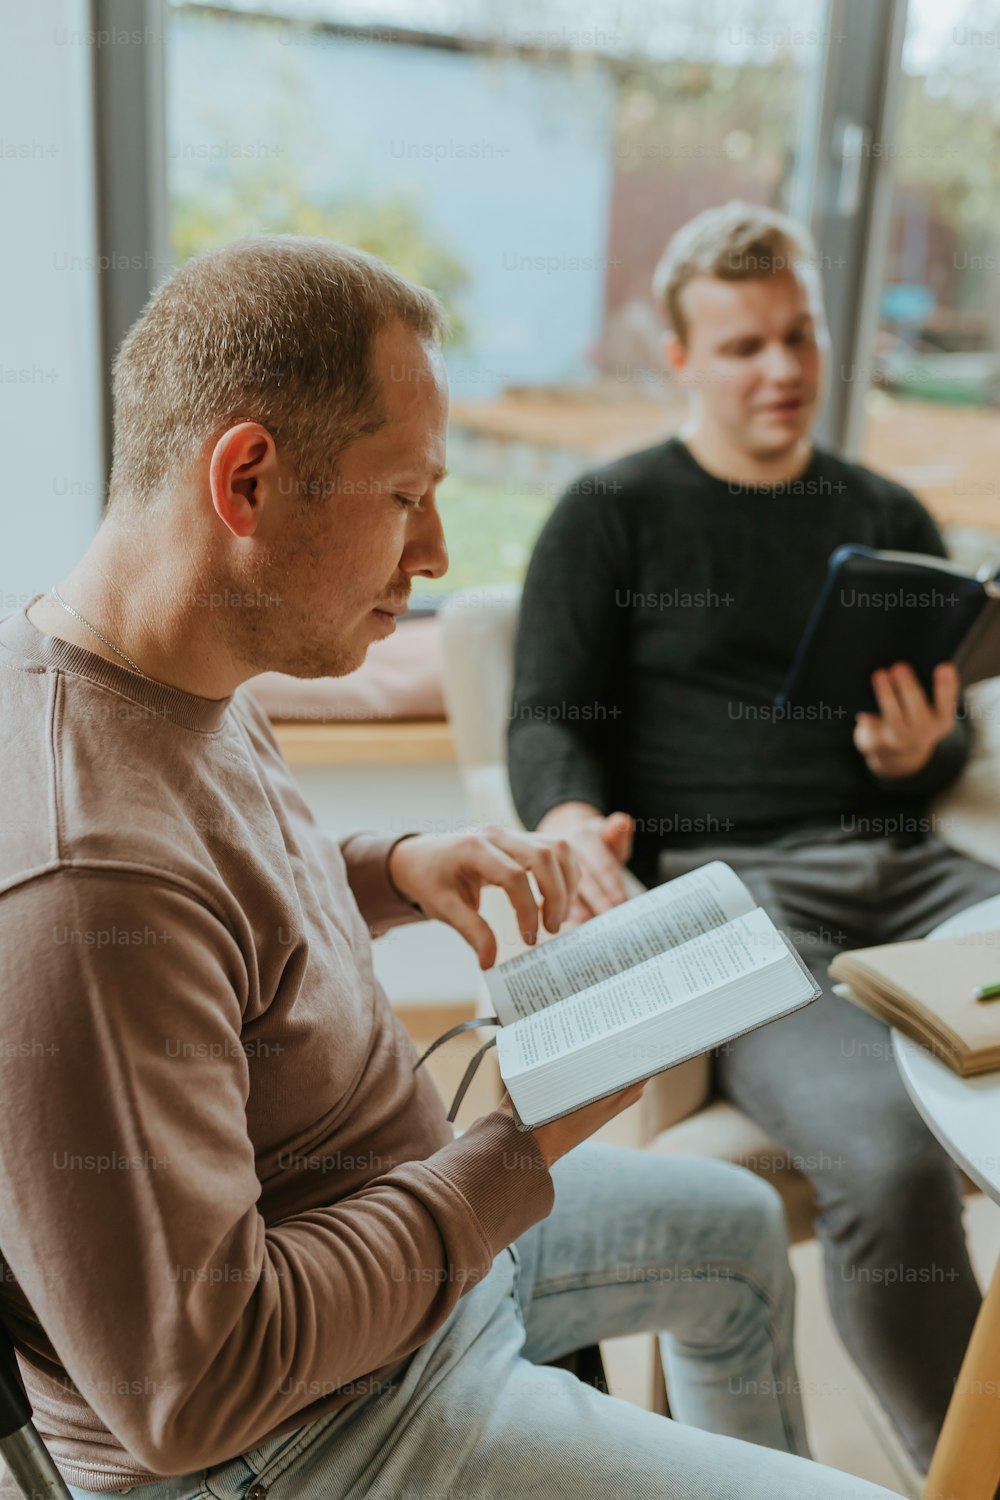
22,1450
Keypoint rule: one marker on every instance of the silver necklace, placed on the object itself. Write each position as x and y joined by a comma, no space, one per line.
94,631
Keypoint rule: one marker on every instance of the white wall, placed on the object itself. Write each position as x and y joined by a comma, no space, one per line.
50,500
427,962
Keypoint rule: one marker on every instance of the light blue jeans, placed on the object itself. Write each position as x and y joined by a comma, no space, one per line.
692,1250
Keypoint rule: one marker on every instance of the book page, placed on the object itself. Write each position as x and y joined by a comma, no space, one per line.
659,920
926,560
978,656
704,964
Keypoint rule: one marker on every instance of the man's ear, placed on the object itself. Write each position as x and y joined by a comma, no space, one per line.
242,468
674,355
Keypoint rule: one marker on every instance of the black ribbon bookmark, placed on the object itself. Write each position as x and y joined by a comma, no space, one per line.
470,1072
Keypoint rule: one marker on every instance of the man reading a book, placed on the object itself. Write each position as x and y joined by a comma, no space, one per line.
243,1253
666,597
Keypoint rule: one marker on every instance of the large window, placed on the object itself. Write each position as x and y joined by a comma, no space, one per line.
528,161
935,368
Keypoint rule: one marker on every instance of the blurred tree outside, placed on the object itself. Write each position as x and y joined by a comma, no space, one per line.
949,149
679,111
217,201
265,200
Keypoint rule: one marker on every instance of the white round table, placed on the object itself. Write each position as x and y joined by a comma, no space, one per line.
964,1114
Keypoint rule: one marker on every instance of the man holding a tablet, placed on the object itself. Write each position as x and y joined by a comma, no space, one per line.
673,587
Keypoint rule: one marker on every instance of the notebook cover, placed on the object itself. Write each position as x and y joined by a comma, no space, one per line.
926,989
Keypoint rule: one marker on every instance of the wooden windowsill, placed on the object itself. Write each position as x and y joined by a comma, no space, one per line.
387,742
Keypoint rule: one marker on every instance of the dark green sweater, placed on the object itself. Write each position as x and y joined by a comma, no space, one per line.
661,610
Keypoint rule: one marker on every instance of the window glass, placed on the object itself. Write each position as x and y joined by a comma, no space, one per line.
935,371
528,161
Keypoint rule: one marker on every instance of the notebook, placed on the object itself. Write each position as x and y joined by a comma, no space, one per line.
926,990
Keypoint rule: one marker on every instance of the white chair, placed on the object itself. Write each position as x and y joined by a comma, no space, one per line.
679,1113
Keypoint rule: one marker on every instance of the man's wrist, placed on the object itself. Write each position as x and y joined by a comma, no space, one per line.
896,772
393,881
907,769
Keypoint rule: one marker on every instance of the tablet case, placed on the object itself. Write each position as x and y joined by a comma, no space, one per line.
878,608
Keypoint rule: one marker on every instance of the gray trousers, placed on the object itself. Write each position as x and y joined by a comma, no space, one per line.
825,1085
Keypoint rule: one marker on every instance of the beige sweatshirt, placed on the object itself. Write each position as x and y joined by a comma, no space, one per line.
225,1199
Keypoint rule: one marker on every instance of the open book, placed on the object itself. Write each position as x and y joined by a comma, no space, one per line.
927,990
877,608
646,985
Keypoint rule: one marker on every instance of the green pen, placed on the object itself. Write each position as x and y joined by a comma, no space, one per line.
987,992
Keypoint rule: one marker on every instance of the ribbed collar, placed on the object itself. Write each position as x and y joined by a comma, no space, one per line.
25,641
794,489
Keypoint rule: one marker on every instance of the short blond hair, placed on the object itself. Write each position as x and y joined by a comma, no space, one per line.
277,330
734,242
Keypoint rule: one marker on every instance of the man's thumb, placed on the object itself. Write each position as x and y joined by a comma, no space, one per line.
617,834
